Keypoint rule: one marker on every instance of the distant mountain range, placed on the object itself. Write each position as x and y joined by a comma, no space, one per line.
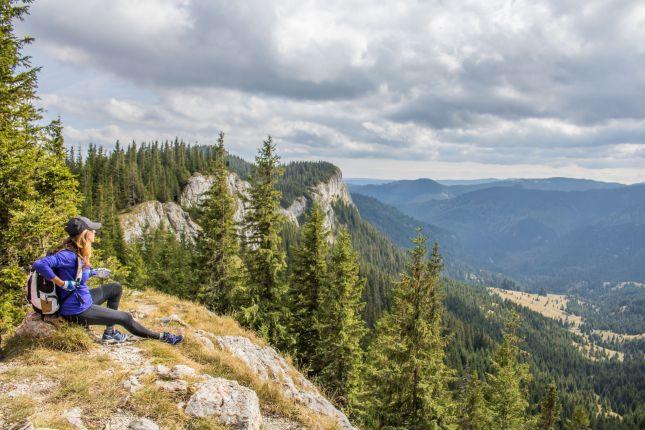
555,232
423,190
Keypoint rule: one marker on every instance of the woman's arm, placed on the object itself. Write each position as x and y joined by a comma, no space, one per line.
45,267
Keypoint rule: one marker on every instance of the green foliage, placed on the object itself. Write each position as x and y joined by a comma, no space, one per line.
218,263
508,384
579,420
265,309
167,262
12,294
407,378
380,261
550,409
39,193
473,412
338,358
308,279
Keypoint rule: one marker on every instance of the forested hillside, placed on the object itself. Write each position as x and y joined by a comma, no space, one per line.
542,233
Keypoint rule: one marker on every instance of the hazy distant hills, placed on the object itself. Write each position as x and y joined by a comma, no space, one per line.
550,232
422,190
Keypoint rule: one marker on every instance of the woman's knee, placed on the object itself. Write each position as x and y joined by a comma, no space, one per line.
117,289
128,318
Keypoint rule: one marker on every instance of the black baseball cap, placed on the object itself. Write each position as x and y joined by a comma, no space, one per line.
77,225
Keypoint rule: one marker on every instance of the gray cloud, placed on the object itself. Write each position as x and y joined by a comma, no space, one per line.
550,83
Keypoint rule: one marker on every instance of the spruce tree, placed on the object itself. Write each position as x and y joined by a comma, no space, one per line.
308,279
265,309
218,260
473,414
39,193
508,383
407,377
579,420
550,409
338,358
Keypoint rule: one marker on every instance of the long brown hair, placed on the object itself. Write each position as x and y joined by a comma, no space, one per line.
79,245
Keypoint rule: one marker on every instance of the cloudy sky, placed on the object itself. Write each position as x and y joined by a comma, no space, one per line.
440,89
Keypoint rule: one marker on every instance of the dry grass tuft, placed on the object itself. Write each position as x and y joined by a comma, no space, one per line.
159,406
18,409
67,338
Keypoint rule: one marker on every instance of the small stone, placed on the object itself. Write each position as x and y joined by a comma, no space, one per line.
228,401
181,371
74,417
162,370
172,318
132,384
176,386
145,370
143,424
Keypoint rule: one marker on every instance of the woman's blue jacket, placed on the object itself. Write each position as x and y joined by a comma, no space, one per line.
63,264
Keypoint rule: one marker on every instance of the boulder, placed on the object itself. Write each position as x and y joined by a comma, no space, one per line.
37,326
227,401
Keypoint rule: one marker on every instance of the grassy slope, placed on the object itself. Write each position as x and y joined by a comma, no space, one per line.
81,374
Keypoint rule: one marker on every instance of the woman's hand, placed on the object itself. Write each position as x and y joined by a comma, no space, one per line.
69,285
101,273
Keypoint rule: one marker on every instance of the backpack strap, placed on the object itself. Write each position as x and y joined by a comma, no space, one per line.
79,277
79,269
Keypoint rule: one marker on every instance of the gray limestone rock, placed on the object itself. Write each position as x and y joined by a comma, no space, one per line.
228,401
268,365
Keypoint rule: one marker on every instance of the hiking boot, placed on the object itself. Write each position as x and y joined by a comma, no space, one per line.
170,338
114,336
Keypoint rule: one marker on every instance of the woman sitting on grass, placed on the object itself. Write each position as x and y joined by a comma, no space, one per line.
79,304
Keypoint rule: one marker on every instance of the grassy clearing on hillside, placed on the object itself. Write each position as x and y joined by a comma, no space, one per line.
554,306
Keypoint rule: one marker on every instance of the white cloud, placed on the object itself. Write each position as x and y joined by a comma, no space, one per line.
489,84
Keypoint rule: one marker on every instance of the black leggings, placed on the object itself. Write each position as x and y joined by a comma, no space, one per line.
99,315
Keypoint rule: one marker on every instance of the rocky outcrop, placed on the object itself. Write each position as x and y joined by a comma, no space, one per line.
232,404
171,216
153,215
198,184
268,365
325,194
296,209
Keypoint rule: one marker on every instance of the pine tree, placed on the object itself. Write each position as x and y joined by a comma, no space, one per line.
338,358
508,383
550,409
39,193
579,420
407,377
309,277
218,260
265,308
473,414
